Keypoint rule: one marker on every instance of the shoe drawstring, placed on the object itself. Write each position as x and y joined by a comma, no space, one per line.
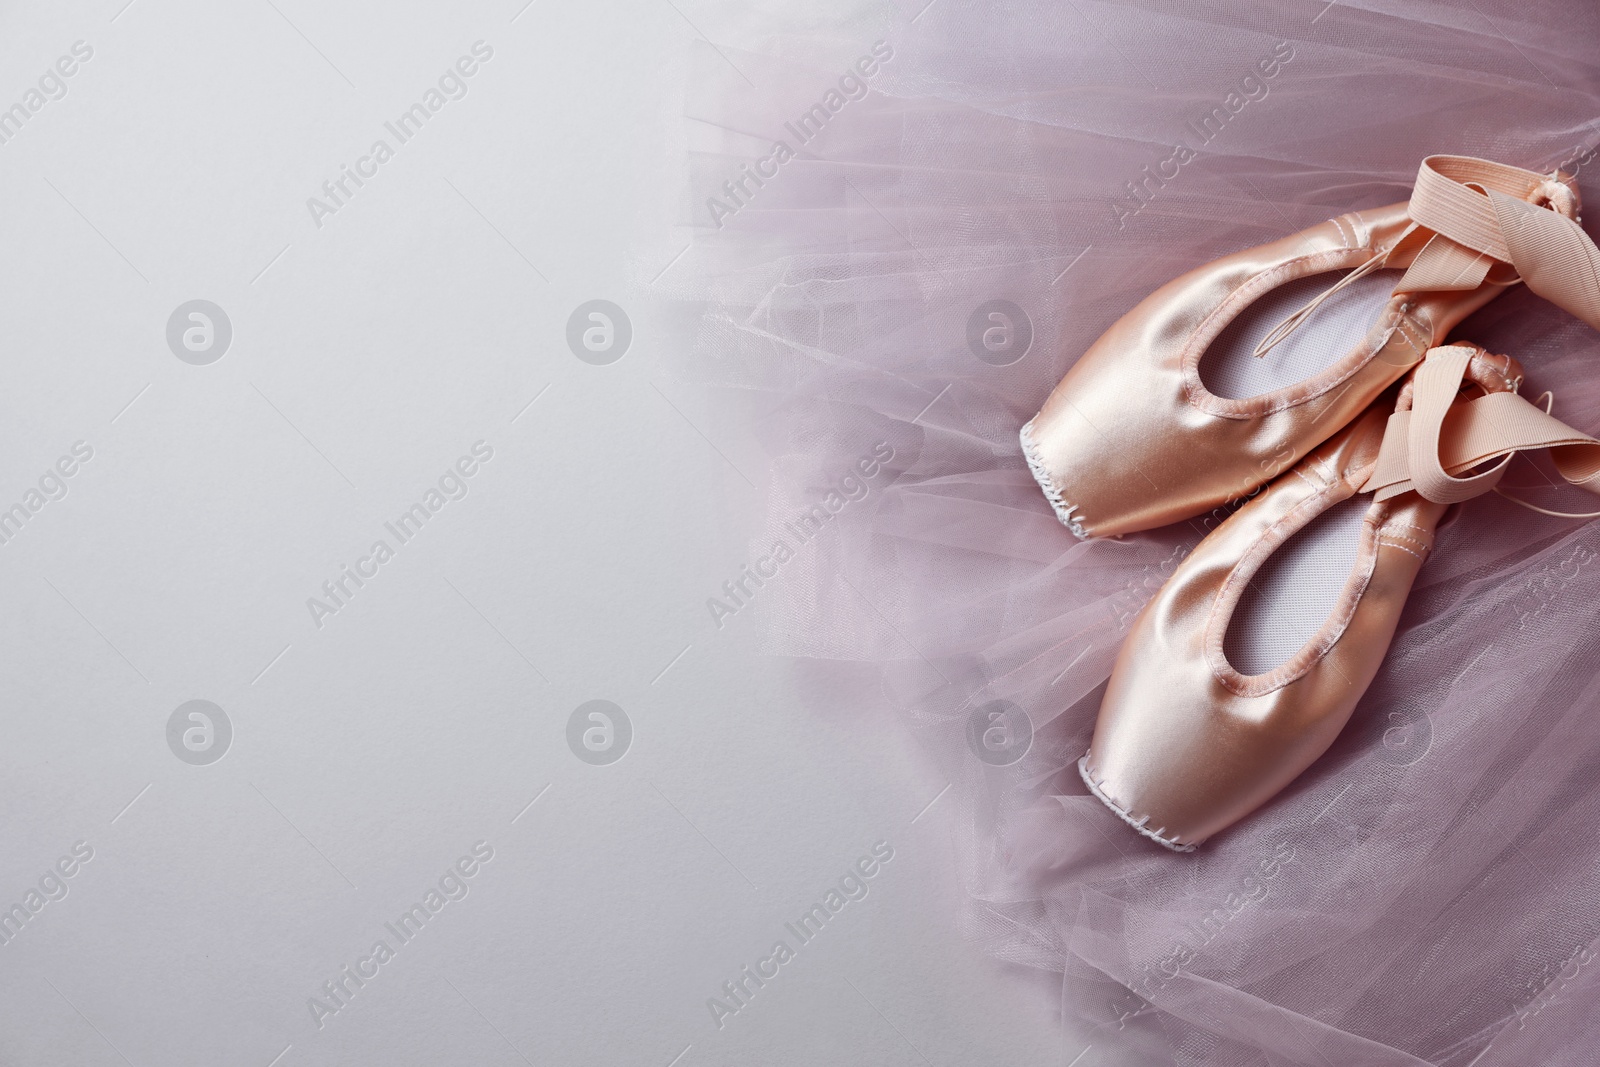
1478,213
1281,332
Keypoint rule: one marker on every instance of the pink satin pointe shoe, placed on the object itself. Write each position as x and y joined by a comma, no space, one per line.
1211,710
1168,416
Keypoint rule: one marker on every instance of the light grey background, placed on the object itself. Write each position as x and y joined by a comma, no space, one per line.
368,755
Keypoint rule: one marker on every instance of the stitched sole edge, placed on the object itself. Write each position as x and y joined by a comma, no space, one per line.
1138,823
1063,510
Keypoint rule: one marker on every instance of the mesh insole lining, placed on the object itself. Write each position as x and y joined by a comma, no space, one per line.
1229,370
1294,593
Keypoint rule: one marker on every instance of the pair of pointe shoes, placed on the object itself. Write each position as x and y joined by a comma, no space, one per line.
1186,743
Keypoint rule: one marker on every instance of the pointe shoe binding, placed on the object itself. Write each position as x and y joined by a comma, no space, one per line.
1186,744
1132,439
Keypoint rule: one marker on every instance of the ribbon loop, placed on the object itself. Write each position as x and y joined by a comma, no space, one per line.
1553,255
1476,213
1434,435
1481,212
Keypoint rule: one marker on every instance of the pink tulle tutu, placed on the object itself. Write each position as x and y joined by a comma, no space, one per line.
869,196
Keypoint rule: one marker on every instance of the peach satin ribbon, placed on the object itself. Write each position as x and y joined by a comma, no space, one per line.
1481,212
1476,213
1432,436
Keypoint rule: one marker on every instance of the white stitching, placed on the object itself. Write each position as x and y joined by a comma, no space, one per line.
1063,510
1349,240
1124,814
1403,548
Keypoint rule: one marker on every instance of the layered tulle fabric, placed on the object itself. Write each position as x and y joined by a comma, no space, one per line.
910,221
